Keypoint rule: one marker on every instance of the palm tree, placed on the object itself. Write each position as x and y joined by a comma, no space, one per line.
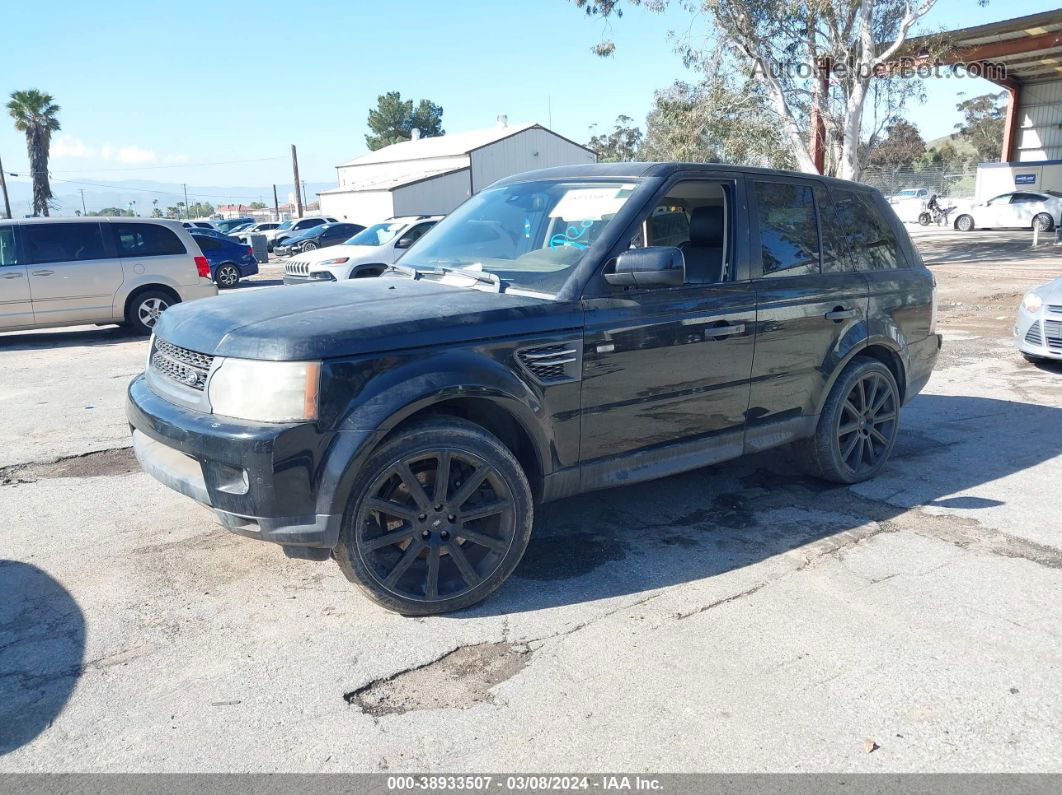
35,114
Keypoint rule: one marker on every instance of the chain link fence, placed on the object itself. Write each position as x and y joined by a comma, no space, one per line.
952,183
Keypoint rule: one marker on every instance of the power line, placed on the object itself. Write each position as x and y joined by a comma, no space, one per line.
172,165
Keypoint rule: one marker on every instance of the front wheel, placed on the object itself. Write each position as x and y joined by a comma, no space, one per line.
308,247
1043,222
227,275
924,219
858,425
438,519
964,223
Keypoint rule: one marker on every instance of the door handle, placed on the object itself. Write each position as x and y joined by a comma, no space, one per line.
12,275
718,332
839,313
43,273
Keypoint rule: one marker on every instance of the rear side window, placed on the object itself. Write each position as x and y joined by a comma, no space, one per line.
208,243
834,248
870,236
63,242
8,252
789,233
146,240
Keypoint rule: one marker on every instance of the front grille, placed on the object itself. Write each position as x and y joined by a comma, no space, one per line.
296,268
1055,309
551,364
1032,336
180,364
1053,333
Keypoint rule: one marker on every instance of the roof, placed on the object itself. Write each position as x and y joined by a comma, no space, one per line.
1030,47
393,181
449,145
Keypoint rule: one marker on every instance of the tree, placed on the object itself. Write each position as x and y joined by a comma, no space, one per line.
901,147
156,213
393,119
713,121
257,206
619,146
35,114
786,46
982,125
113,212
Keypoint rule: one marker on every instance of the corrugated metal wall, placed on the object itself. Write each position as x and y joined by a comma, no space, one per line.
435,196
1040,137
359,207
524,151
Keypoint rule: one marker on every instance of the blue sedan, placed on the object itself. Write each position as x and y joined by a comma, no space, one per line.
229,259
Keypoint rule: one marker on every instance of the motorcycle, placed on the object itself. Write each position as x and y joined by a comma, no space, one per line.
936,215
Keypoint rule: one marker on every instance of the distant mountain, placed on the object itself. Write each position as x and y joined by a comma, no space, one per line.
962,146
120,193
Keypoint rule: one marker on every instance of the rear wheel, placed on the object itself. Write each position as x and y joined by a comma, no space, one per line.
438,519
924,219
227,275
145,310
964,223
1043,222
858,425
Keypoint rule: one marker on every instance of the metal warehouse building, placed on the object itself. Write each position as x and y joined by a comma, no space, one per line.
432,176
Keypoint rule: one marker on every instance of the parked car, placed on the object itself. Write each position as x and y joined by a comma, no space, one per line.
211,233
229,259
72,271
367,253
407,424
1027,209
229,224
910,203
320,236
197,224
256,229
289,228
1038,329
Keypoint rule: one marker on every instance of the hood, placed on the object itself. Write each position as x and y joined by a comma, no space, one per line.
1050,292
319,321
357,254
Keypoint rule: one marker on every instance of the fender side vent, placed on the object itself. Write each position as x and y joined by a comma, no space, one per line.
553,364
1033,335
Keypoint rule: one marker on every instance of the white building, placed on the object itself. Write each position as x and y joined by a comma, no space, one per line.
431,176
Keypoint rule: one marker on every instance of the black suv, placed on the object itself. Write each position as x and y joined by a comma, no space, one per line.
564,330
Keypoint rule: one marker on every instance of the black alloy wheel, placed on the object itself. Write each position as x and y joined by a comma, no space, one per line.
441,518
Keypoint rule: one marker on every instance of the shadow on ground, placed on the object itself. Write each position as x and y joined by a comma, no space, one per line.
68,338
710,521
42,643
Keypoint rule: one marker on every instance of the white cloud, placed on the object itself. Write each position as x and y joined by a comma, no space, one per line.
175,160
69,146
135,154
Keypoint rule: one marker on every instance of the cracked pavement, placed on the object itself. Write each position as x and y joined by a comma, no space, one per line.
742,617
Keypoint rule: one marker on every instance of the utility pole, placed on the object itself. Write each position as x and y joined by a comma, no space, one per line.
295,172
3,185
276,204
305,200
186,215
84,209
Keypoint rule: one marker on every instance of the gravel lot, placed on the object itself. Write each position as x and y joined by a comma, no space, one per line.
737,618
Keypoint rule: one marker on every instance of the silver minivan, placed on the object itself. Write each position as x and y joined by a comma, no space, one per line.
74,271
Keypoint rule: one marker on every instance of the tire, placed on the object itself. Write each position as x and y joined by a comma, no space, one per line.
1032,359
227,275
144,310
924,219
428,546
964,223
308,246
851,445
1043,221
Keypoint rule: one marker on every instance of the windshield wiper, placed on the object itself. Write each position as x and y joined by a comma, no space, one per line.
413,272
481,276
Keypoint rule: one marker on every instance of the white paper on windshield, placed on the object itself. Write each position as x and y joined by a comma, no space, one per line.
591,204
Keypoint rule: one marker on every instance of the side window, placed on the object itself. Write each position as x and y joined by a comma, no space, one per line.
415,233
207,243
870,236
835,257
63,242
8,252
146,240
789,233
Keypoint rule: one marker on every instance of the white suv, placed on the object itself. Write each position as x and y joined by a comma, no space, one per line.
368,253
72,271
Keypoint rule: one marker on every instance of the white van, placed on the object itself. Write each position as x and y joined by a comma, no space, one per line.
74,271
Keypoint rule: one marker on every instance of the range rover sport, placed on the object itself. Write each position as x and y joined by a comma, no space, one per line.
563,330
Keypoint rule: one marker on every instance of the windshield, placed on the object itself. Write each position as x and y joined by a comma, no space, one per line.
377,234
908,192
530,235
287,225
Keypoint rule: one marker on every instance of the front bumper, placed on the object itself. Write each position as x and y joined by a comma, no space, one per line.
296,278
1039,334
275,482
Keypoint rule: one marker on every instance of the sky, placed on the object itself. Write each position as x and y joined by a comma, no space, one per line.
215,93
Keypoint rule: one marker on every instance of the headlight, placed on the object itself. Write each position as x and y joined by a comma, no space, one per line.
335,261
265,391
1032,303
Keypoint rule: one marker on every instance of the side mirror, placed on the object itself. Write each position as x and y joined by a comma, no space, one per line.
653,266
405,242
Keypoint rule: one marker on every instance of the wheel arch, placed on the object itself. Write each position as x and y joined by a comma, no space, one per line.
140,290
883,350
